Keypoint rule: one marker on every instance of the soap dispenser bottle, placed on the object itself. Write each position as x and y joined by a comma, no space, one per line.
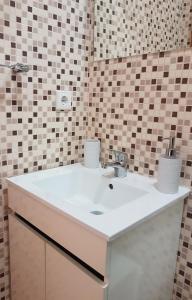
169,169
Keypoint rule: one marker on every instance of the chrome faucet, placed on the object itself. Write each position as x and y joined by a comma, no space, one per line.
120,164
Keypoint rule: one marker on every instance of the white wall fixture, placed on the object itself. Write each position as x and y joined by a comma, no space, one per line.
63,100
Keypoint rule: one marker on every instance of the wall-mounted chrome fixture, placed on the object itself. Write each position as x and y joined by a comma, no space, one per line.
17,67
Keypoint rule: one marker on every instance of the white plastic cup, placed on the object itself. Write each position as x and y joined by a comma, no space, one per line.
91,153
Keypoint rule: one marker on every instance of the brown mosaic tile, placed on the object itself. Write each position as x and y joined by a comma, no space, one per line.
53,38
133,102
138,27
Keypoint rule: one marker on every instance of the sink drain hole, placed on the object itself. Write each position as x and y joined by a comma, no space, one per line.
96,212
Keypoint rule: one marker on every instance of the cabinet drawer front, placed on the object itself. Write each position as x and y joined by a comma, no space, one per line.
66,279
27,262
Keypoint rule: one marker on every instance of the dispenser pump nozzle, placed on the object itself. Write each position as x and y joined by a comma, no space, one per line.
170,150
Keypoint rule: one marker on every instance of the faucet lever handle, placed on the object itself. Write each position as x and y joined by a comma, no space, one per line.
120,157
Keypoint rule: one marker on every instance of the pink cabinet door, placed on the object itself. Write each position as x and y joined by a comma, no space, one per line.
67,280
27,259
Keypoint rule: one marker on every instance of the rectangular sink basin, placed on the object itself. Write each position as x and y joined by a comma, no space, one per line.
88,191
95,199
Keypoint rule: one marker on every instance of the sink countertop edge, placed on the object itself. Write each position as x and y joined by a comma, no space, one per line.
58,210
105,230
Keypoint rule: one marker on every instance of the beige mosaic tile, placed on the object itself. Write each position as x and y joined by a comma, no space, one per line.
126,28
133,103
53,38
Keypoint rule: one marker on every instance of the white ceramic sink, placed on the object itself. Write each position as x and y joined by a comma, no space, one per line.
90,192
95,199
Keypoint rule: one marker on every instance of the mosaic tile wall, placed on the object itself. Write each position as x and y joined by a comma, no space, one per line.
125,28
52,37
133,102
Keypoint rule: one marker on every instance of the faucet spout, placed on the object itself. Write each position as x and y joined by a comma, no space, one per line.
105,165
119,165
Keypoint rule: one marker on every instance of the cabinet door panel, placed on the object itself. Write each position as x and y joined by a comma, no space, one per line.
27,260
67,280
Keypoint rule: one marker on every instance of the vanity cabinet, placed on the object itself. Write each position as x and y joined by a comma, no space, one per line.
55,257
42,271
